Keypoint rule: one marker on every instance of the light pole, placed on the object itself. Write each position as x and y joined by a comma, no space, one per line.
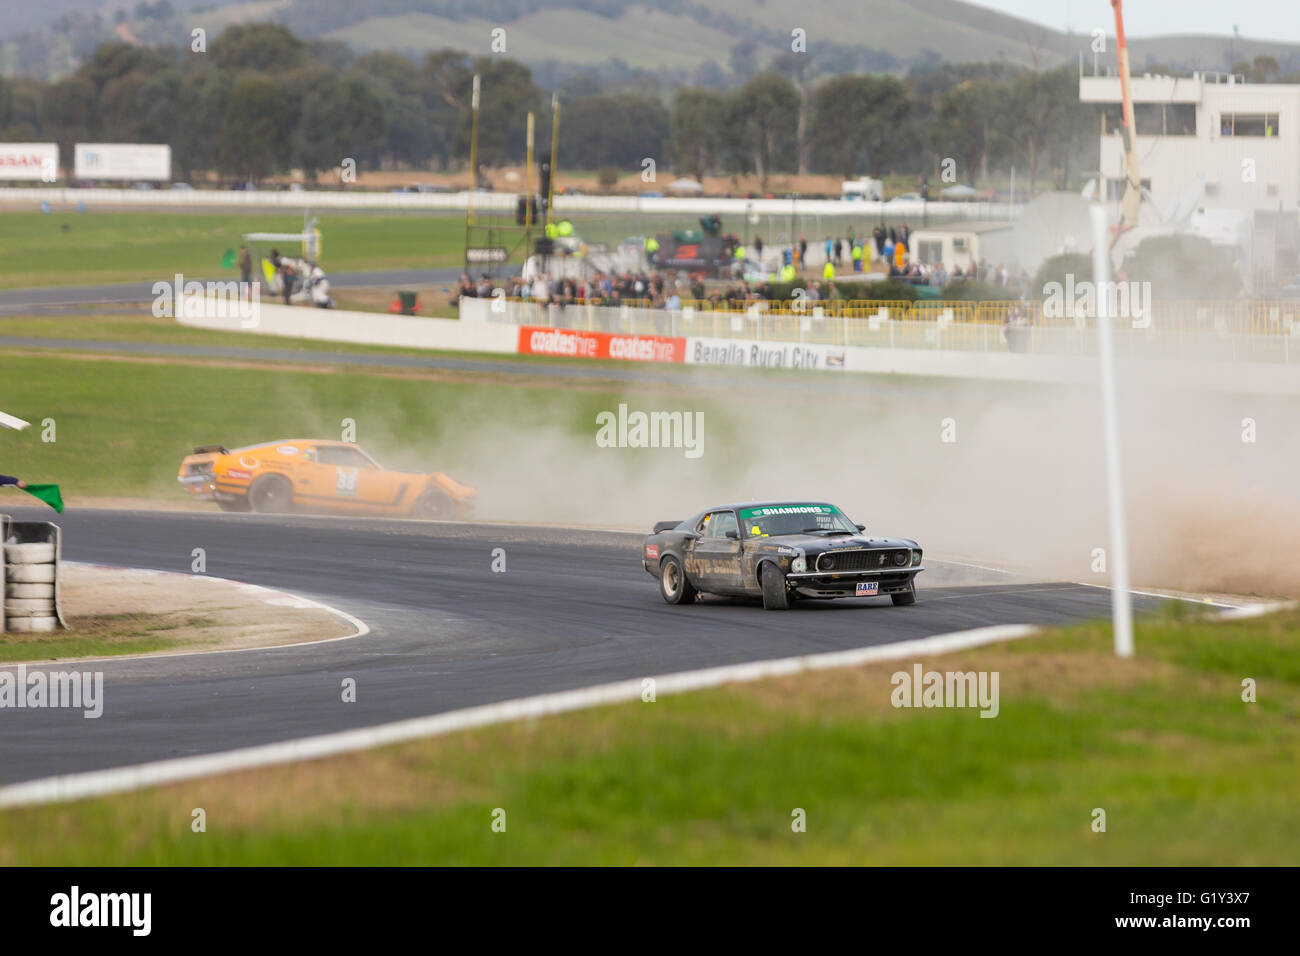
1121,604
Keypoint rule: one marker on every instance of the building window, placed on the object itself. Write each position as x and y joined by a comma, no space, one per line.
930,252
1180,119
1165,119
1248,124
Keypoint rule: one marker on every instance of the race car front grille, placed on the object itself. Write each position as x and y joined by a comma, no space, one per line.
876,559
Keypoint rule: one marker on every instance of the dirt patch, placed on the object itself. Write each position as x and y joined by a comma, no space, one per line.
185,612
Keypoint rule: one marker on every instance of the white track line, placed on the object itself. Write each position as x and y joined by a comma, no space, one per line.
96,783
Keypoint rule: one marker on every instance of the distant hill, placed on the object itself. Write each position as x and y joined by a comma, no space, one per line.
698,41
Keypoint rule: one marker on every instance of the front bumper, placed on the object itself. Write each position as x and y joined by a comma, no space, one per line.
822,584
199,487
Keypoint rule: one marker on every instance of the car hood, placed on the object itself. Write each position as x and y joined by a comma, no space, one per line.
817,543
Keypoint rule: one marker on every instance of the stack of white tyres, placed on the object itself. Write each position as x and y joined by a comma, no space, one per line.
29,587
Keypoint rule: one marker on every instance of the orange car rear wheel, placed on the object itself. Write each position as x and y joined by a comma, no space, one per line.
433,504
270,494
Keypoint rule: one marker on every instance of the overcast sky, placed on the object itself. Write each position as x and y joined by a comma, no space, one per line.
1259,19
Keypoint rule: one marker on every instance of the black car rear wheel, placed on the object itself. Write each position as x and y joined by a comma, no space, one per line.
906,597
673,583
775,595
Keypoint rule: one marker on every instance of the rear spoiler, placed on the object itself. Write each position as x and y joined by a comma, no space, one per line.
209,449
665,526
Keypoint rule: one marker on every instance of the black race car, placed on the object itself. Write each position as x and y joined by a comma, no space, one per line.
779,550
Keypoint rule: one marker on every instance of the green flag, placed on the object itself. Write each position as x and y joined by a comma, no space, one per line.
228,260
47,493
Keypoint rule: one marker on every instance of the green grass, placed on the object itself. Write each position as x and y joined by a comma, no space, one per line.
146,329
122,427
103,635
70,248
1187,773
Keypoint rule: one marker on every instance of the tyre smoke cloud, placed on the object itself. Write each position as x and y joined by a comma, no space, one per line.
1003,474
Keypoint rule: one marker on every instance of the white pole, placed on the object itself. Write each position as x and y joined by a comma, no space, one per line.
1121,603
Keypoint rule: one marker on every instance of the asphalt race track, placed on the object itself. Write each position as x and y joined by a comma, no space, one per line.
46,299
573,609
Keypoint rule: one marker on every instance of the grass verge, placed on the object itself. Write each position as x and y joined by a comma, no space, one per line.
107,635
69,248
121,426
1187,773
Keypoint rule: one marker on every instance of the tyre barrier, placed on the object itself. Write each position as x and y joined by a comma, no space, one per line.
29,562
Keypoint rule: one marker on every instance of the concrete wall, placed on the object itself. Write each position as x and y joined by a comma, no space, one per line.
501,202
364,328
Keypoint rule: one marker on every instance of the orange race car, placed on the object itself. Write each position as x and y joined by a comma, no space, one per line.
316,475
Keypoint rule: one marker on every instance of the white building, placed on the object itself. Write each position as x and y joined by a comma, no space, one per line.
1243,137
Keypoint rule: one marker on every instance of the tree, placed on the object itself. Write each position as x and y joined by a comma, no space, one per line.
203,99
1183,267
860,121
766,112
261,47
508,94
620,130
411,132
255,133
795,67
67,113
695,129
446,78
1037,113
965,126
1057,268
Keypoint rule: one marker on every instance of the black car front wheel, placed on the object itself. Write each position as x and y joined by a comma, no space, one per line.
673,583
905,597
775,595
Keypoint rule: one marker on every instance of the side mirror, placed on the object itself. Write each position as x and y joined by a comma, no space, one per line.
733,535
860,527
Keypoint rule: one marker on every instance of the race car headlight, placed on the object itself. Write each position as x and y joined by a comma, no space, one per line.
798,565
916,558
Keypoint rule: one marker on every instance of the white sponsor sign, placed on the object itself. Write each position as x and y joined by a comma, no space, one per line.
123,161
749,353
29,161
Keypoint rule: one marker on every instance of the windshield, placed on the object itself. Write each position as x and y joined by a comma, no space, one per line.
793,518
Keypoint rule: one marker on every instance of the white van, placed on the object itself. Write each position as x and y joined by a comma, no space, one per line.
862,189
